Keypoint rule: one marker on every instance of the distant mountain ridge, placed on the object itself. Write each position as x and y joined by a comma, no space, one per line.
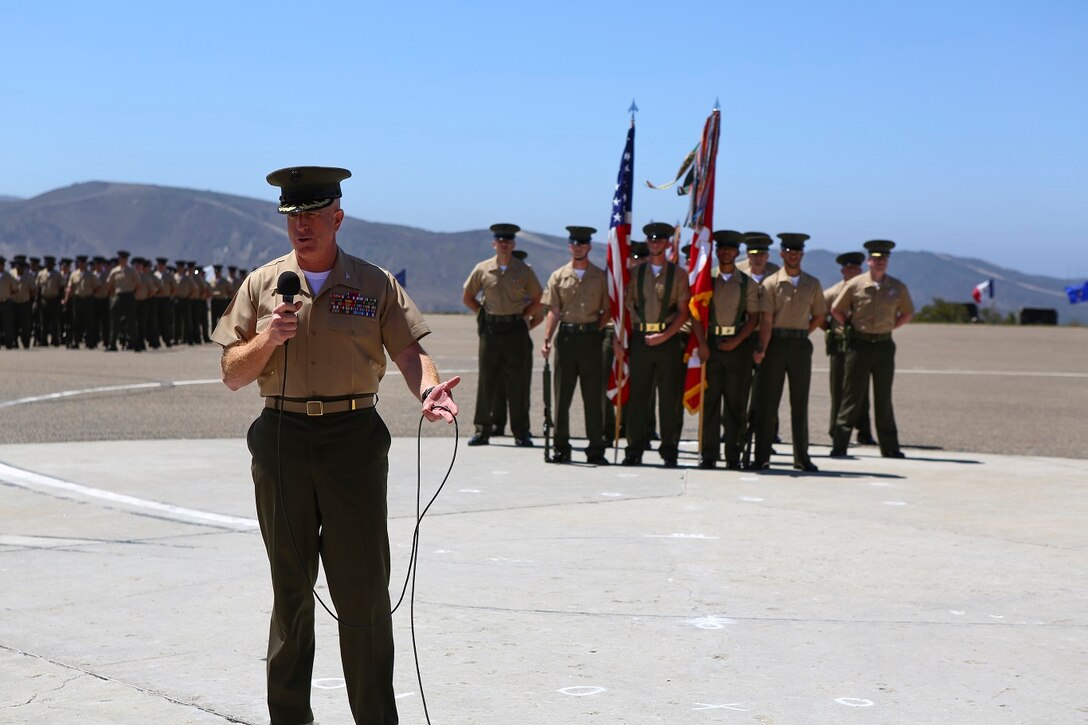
100,217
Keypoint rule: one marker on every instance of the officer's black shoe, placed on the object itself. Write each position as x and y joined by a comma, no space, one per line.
498,430
838,453
894,454
732,465
865,438
654,436
561,457
523,441
630,460
478,440
759,465
777,438
806,466
598,460
111,348
671,463
707,464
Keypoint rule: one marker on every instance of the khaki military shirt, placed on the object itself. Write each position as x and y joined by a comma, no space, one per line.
726,300
833,326
24,287
142,290
580,301
122,279
221,288
341,332
82,283
505,293
154,285
184,286
873,309
793,309
200,288
50,283
652,294
7,284
745,266
168,284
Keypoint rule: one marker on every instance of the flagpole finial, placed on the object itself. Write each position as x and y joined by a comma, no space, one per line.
633,109
717,105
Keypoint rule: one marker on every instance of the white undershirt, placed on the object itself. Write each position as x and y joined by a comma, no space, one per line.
502,267
317,280
579,273
795,281
726,276
656,268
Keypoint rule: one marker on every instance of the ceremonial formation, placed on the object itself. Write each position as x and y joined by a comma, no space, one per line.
121,303
755,341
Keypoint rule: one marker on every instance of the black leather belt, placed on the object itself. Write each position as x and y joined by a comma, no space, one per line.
580,328
651,326
322,406
871,336
501,318
789,334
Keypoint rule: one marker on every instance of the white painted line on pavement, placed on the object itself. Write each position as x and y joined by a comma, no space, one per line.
105,389
37,481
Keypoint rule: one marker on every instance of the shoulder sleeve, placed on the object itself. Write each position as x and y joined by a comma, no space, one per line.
239,321
472,284
533,283
844,298
819,304
401,322
550,291
906,304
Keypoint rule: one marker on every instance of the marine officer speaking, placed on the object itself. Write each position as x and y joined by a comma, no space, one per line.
875,304
576,297
511,292
318,362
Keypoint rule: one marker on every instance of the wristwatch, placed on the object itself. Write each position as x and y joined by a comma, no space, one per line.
423,398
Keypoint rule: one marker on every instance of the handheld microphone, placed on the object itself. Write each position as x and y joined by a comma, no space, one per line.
288,285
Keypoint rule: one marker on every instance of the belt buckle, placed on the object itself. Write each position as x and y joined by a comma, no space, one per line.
315,407
726,331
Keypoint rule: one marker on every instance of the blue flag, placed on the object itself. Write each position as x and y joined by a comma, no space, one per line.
1077,293
402,278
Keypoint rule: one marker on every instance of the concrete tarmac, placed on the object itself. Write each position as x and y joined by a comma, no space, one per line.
949,587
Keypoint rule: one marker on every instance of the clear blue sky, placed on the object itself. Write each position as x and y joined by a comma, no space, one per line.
956,126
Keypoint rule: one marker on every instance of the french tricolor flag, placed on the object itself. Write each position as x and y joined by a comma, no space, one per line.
983,289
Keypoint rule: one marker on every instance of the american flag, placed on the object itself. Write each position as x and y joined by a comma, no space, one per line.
619,232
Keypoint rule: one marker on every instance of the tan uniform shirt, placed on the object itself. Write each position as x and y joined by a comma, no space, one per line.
123,279
341,332
142,290
873,309
82,283
7,284
154,285
745,266
24,287
50,283
654,292
580,301
505,293
793,309
830,294
184,286
199,289
726,300
168,284
221,288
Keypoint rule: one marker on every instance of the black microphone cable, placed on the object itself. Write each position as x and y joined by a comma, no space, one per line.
413,558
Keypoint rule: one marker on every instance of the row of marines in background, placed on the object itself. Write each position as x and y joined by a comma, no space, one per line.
123,302
757,336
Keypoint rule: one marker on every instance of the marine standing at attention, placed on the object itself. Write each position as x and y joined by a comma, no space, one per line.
875,304
511,293
321,425
836,340
657,299
793,307
576,298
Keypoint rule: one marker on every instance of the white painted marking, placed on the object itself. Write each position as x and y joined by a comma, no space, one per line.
442,551
106,389
469,490
973,373
582,691
710,622
44,542
880,484
956,612
750,478
727,706
997,616
626,475
680,536
403,695
751,499
329,683
30,480
855,702
895,503
499,473
610,493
